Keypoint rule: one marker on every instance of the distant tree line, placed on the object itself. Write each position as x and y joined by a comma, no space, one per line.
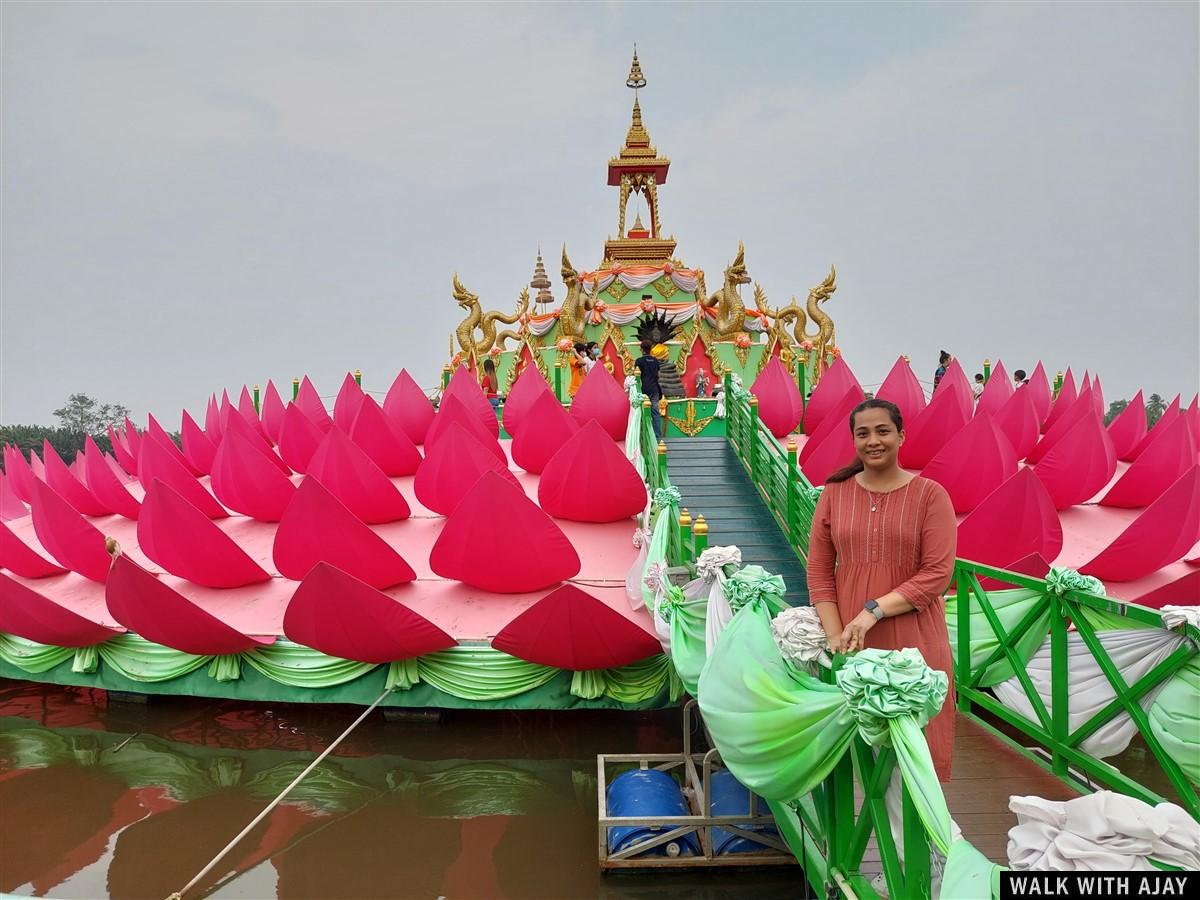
1155,407
80,416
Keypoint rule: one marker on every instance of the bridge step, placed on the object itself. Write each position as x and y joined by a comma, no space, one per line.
712,482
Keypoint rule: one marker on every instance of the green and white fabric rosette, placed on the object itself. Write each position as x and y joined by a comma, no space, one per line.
884,685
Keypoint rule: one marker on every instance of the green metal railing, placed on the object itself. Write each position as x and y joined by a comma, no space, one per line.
1051,728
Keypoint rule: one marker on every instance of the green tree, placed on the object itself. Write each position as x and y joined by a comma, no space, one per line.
85,415
1155,407
1115,409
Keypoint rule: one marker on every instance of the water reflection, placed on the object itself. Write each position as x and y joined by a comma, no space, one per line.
130,802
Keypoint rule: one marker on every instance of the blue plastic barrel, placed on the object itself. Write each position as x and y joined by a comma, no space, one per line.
648,792
731,798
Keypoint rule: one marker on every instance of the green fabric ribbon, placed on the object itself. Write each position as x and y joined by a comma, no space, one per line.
672,600
30,656
226,668
481,673
665,497
300,666
402,675
141,660
1060,580
1010,607
881,685
86,659
752,582
811,494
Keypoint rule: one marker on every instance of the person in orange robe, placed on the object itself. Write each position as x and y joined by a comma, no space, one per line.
578,368
881,555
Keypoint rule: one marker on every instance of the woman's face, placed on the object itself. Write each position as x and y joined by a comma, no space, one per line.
876,440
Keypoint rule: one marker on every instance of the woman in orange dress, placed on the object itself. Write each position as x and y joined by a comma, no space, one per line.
881,555
578,368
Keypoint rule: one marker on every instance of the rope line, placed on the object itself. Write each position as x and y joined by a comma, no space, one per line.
178,895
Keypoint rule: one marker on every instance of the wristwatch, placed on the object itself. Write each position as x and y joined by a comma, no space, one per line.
874,609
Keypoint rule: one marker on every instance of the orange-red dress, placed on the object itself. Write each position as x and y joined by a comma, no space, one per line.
865,545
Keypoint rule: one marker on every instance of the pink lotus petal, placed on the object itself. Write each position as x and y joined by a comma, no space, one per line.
185,542
351,476
1014,521
20,475
157,612
827,395
125,459
104,484
1129,428
453,410
317,527
245,481
545,428
1183,591
67,486
115,467
345,406
337,614
20,558
973,463
11,506
407,406
388,445
1039,389
1018,419
67,536
902,388
197,448
32,615
779,404
36,466
256,441
943,418
955,380
528,386
272,412
570,629
1152,434
836,420
452,466
528,554
1079,465
464,388
245,408
591,480
1164,462
1069,417
996,392
156,463
1158,537
133,439
299,438
155,432
602,400
213,426
1067,395
312,405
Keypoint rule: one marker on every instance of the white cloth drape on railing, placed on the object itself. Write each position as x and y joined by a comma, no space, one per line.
1134,653
1104,831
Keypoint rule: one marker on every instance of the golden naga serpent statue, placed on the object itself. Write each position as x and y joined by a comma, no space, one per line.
572,315
731,312
823,338
485,322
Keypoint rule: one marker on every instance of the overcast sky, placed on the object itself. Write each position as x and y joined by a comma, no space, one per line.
198,196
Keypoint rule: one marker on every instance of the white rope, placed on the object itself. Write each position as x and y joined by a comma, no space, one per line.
178,895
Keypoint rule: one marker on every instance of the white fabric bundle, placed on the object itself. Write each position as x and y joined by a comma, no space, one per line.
1174,616
801,638
1134,652
1104,831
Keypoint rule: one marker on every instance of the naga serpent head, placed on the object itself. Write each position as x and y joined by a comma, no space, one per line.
736,271
826,287
569,275
462,296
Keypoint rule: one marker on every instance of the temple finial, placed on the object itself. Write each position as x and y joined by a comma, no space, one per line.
541,282
636,79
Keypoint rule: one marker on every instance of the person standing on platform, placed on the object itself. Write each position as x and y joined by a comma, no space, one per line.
648,367
881,554
1020,378
489,384
978,386
578,364
940,373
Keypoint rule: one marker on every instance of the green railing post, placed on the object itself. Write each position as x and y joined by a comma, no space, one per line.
257,394
802,383
295,388
558,381
1058,383
963,675
358,377
792,487
1060,687
662,463
445,376
987,371
752,439
699,536
685,535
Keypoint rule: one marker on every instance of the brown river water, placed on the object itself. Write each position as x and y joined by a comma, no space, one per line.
101,798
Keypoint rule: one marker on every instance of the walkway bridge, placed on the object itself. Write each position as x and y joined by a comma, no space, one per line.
747,490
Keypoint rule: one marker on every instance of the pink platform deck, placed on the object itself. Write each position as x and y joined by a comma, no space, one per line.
469,614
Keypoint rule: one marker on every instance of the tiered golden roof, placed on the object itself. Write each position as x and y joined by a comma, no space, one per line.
541,282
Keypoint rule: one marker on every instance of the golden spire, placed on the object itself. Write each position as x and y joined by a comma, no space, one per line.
637,137
541,281
636,79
